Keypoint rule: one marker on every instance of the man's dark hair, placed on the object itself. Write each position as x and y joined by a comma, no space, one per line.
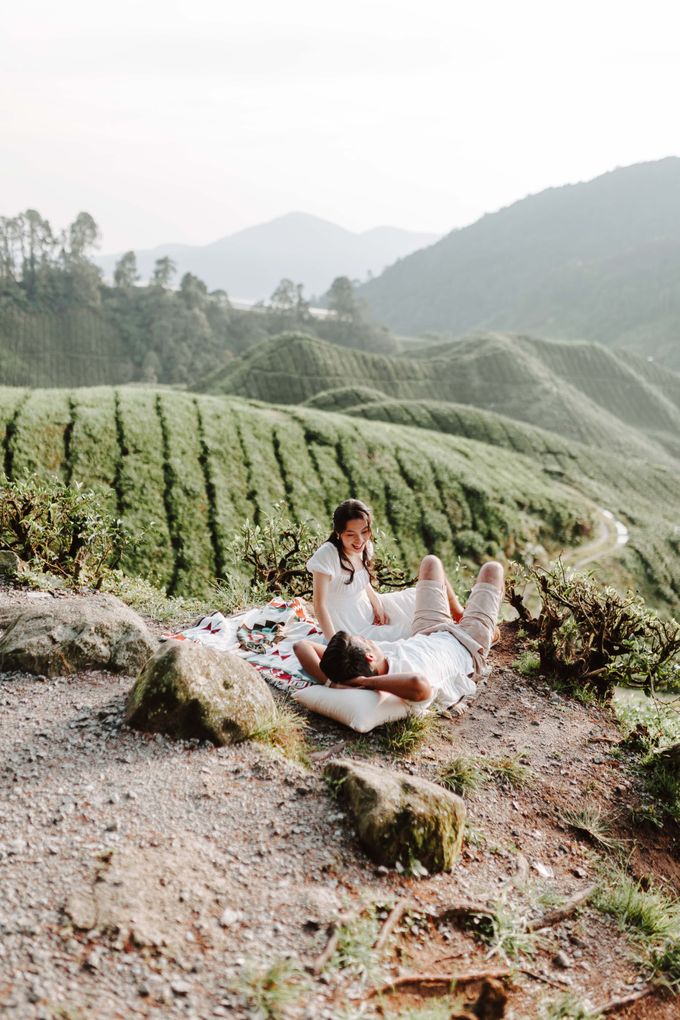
344,659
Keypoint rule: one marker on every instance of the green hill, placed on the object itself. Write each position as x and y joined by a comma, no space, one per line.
186,472
581,391
598,260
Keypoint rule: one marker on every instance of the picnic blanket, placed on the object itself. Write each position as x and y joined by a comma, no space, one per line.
264,636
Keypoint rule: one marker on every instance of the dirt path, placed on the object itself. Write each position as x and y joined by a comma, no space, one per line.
611,535
148,878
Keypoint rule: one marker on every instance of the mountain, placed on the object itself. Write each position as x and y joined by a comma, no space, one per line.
598,261
308,250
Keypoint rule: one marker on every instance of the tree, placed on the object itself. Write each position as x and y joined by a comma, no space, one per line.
284,297
83,234
288,304
193,291
125,272
342,300
163,272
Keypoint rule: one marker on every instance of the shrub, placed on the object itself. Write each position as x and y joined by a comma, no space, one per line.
593,636
275,554
60,529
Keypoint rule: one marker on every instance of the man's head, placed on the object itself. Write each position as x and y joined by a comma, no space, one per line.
348,655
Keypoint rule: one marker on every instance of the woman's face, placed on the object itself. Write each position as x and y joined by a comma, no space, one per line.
355,536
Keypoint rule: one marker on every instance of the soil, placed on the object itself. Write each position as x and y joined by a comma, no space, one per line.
143,877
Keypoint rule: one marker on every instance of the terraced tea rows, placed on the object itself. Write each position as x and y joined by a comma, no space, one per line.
580,391
183,472
643,494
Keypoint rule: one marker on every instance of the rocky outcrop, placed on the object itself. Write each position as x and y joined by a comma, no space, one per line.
189,691
399,818
54,637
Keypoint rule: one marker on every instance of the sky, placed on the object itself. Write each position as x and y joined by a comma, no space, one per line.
185,122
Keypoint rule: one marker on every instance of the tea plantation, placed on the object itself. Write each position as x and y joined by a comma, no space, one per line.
185,471
579,390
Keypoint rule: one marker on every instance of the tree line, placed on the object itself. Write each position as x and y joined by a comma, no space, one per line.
171,331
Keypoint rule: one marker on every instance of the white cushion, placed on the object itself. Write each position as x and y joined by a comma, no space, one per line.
360,710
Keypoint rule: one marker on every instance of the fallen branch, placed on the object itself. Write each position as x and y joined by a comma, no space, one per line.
438,979
616,1005
331,752
559,914
318,964
555,982
393,919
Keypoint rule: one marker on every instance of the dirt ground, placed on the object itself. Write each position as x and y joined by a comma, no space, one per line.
143,877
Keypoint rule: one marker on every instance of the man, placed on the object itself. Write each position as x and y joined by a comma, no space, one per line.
439,663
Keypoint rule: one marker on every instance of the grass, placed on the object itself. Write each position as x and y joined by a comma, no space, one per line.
504,931
440,1008
285,731
404,736
568,1007
354,955
269,993
652,918
650,726
528,664
594,823
465,774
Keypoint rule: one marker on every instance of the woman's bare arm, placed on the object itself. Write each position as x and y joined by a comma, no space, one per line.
379,614
321,582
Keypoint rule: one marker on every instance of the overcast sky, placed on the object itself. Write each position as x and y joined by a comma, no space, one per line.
187,121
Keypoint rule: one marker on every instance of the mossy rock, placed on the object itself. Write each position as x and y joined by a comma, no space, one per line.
56,637
188,691
399,818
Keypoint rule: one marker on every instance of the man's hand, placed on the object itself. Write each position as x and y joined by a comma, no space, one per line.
361,681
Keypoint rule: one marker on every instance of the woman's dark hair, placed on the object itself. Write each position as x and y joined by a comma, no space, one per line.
351,510
345,658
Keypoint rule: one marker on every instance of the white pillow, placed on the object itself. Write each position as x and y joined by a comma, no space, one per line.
360,710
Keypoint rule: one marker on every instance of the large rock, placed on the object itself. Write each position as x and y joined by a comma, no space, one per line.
398,818
54,637
188,691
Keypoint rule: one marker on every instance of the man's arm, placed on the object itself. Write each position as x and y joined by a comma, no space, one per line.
309,654
409,686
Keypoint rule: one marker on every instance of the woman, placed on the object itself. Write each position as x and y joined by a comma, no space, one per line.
344,597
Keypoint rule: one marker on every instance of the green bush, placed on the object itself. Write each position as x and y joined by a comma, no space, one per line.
275,553
59,529
593,636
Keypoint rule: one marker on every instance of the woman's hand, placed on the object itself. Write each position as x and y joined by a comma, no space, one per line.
380,616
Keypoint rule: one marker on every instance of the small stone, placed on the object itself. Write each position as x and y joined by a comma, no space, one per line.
180,987
230,917
562,960
544,870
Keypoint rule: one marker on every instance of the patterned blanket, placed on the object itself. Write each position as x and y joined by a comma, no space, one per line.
263,636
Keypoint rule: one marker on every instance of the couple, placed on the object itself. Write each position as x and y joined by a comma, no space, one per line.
440,660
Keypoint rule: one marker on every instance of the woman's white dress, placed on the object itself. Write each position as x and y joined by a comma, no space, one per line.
349,606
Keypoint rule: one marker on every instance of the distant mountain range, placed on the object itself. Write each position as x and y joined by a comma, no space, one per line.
598,261
250,263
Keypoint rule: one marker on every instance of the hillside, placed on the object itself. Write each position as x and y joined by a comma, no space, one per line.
304,248
187,471
581,391
598,260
